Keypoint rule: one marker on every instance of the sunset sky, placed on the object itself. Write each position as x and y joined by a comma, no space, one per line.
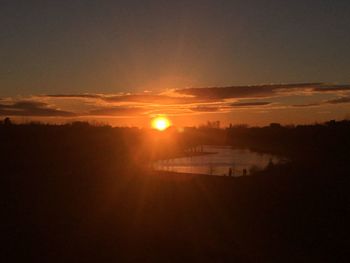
124,62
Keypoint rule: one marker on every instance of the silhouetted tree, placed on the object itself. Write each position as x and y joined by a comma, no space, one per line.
270,164
7,121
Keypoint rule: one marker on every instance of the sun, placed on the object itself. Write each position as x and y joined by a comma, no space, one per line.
160,123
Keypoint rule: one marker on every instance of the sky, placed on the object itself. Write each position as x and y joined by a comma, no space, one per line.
123,62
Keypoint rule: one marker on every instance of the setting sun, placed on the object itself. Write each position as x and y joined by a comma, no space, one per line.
160,123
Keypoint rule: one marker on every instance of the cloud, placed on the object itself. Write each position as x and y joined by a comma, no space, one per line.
250,104
339,100
134,98
117,111
31,108
259,91
177,102
154,99
307,105
205,109
331,101
211,94
73,96
224,107
332,88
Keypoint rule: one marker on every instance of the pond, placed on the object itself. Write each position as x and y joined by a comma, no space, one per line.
217,160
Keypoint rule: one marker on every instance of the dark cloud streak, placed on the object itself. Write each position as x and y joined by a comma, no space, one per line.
155,99
31,108
205,109
339,100
74,96
259,91
117,111
332,101
250,104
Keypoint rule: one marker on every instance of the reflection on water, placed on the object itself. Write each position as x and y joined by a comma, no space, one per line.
219,162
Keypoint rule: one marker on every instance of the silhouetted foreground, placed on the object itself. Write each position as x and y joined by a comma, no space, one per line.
77,193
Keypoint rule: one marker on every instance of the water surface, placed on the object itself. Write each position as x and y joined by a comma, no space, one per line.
219,162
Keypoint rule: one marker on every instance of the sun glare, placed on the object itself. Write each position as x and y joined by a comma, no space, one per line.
160,123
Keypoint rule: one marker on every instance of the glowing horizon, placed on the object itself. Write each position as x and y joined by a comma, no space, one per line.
294,103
